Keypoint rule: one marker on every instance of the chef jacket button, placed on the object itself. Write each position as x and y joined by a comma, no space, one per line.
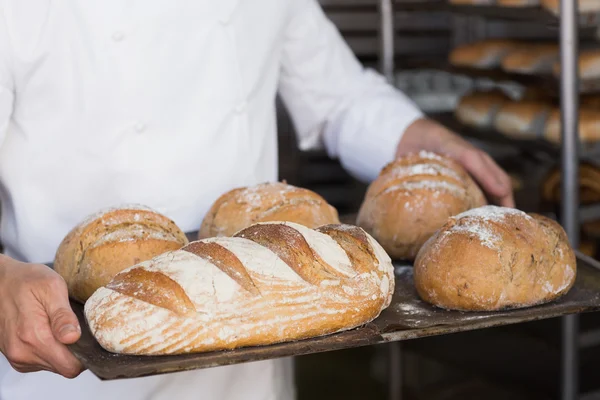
118,36
140,127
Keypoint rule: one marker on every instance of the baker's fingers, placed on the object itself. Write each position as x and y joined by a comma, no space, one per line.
494,181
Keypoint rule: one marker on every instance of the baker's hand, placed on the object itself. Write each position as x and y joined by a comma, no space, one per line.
427,135
36,320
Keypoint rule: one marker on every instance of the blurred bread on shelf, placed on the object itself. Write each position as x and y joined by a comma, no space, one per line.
591,102
472,2
585,6
589,185
517,3
589,126
589,63
486,54
522,119
478,109
532,58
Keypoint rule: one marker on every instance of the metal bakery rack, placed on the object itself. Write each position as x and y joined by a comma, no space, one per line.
569,23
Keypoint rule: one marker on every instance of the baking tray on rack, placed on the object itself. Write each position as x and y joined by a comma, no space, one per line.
406,318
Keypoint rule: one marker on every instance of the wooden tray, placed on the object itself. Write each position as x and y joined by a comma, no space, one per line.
406,318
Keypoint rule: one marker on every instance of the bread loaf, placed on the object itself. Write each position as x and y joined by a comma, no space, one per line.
412,198
486,54
479,109
110,241
589,126
270,283
589,65
531,59
518,3
472,2
585,6
494,258
589,185
522,119
240,208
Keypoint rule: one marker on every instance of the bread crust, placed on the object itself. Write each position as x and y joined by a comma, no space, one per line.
479,109
288,283
493,258
412,198
486,54
242,207
106,243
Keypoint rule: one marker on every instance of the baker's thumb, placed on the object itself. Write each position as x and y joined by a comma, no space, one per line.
65,326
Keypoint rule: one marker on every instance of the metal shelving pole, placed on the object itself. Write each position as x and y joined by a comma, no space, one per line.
387,53
570,183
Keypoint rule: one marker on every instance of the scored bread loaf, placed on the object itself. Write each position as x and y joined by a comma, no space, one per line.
531,59
486,54
412,198
479,109
584,6
272,282
589,65
242,207
494,258
589,126
522,119
109,241
589,185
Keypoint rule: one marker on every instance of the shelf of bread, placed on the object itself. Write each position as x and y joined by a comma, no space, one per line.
547,11
533,63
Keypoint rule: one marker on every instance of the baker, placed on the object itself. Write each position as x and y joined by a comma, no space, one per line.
169,105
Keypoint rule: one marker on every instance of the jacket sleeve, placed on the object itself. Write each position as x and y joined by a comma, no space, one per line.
334,101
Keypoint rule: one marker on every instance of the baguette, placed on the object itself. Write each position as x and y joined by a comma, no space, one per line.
479,109
589,126
110,241
493,258
412,198
242,207
486,54
270,283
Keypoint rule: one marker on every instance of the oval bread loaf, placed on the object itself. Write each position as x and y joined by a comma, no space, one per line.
479,109
242,207
486,54
110,241
494,258
412,198
589,126
270,283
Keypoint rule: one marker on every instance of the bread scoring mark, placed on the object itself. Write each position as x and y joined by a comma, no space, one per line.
226,261
154,288
354,242
291,246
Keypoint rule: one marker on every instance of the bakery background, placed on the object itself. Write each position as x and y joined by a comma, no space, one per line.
514,362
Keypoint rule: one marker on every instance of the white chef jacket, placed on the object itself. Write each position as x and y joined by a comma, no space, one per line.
169,104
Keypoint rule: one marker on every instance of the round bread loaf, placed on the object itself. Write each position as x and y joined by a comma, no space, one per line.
266,202
589,126
479,109
485,54
412,198
493,258
108,242
522,119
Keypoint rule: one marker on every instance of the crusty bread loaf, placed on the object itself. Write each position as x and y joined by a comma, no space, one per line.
589,65
242,207
531,59
485,54
270,283
589,126
412,198
518,3
585,6
522,119
589,185
110,241
479,109
494,258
